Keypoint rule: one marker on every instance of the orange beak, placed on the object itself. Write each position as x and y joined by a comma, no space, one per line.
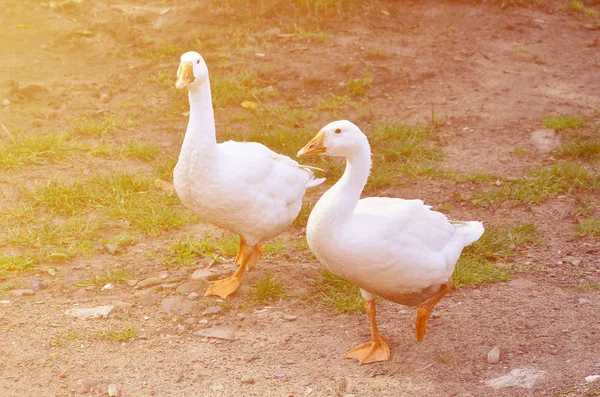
316,146
185,75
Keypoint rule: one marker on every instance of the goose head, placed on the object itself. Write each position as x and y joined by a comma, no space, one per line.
192,70
339,138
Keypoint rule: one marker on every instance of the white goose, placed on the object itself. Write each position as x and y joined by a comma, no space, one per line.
398,249
243,187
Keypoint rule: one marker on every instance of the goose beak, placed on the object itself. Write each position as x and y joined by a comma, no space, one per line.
316,146
185,75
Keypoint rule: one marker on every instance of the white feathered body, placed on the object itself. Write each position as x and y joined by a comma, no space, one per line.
398,249
243,187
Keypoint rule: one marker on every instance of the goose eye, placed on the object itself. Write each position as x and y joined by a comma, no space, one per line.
198,62
337,131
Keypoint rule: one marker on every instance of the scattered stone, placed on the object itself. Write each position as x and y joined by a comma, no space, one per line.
573,260
112,248
592,378
83,386
202,274
150,282
22,292
86,313
165,144
32,91
247,379
148,299
518,377
5,102
189,287
217,387
349,395
81,292
38,285
107,287
241,316
177,305
521,283
132,283
113,390
545,140
225,332
104,97
190,320
163,275
279,373
290,317
178,378
583,301
271,32
203,322
493,356
212,310
5,302
193,296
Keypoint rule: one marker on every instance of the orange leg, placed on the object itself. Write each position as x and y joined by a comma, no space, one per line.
427,307
375,350
245,250
227,286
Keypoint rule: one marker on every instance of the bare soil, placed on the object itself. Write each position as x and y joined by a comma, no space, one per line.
489,74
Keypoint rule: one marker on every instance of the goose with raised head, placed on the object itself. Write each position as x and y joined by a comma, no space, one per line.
398,249
243,187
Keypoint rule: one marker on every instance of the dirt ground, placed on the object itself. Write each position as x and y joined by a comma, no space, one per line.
489,73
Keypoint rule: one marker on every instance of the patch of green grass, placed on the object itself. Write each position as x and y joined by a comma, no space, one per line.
141,151
581,148
274,247
586,286
268,289
235,88
302,217
589,228
97,128
358,87
164,78
67,336
563,122
186,252
164,170
479,178
541,185
310,35
335,102
576,6
111,276
38,150
121,240
17,263
119,335
476,266
60,219
337,293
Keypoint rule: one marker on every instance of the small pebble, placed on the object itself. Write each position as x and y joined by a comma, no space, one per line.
217,387
193,296
22,292
592,378
583,300
107,287
132,283
113,390
247,379
211,310
241,316
38,285
83,386
494,355
5,102
112,248
290,317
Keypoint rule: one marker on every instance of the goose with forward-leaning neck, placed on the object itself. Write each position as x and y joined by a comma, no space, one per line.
398,249
243,187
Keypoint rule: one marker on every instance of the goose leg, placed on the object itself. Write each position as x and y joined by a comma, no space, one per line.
427,307
228,285
241,254
375,350
255,253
